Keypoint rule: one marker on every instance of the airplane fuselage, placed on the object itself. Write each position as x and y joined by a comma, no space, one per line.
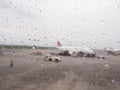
76,49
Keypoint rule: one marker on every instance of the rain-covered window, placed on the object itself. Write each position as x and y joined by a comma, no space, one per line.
59,44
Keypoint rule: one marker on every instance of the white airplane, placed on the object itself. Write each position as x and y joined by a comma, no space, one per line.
112,51
83,50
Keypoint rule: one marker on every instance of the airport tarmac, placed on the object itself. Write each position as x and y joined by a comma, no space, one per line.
31,72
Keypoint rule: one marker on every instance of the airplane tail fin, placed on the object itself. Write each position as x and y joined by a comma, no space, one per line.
58,44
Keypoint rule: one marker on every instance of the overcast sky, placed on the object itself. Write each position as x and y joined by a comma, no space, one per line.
93,23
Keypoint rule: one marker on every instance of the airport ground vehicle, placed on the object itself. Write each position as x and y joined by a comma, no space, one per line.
52,58
36,53
64,53
81,54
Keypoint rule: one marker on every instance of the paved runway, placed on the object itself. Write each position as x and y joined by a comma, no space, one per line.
30,72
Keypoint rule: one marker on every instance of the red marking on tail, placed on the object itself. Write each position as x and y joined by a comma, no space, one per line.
58,44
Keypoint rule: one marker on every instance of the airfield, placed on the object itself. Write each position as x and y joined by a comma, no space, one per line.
31,72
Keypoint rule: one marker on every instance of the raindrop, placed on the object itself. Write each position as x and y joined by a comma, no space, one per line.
78,26
29,39
84,20
102,20
33,47
113,81
106,65
40,10
83,57
44,37
34,39
103,33
119,6
75,0
42,65
6,19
